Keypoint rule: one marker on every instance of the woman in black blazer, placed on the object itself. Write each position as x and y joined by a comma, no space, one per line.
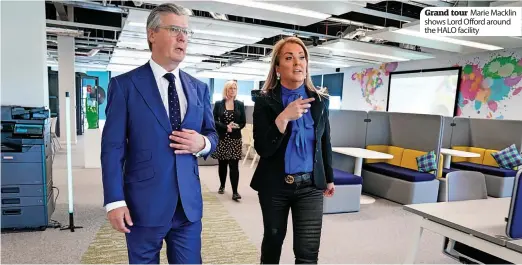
292,137
229,117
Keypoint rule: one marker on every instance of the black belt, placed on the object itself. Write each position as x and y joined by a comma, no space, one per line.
298,178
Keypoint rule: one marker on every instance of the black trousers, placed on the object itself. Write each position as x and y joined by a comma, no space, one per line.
234,173
306,202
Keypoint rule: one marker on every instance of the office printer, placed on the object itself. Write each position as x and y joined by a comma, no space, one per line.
27,194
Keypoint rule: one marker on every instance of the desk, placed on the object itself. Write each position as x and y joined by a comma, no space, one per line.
448,153
515,245
360,154
477,223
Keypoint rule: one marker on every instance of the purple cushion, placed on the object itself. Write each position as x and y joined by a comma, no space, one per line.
494,171
345,178
398,172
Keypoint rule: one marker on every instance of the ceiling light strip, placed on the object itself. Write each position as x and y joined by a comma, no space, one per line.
277,8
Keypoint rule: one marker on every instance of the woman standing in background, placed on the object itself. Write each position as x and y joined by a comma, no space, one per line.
229,116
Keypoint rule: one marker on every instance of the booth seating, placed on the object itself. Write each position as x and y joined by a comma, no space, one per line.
399,179
499,181
347,196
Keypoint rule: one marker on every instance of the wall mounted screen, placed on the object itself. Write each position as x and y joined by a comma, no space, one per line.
432,91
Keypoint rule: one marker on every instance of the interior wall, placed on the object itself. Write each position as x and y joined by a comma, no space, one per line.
490,84
103,82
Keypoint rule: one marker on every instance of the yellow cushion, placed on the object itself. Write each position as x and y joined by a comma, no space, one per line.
441,166
396,152
409,158
478,150
455,159
377,148
488,158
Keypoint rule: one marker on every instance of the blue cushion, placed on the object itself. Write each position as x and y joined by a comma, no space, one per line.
345,178
508,158
427,162
494,171
399,172
445,171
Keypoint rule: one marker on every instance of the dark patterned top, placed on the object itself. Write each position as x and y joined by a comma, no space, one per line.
228,148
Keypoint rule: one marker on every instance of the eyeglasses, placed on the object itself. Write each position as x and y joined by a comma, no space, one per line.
175,31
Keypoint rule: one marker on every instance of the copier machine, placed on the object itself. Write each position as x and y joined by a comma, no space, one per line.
27,187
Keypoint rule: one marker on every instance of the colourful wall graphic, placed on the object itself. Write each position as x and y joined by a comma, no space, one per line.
370,80
487,87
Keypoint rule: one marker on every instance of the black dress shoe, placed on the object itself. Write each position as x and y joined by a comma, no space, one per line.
221,190
236,196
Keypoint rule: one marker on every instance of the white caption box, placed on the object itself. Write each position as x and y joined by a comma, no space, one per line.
471,21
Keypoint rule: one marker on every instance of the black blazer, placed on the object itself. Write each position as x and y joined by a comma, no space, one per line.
239,118
271,144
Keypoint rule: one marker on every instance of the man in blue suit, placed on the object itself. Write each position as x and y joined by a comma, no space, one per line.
159,120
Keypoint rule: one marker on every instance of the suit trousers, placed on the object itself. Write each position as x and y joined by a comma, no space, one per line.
182,237
306,203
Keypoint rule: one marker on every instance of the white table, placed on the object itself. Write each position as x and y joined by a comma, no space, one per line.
515,245
360,154
477,223
448,153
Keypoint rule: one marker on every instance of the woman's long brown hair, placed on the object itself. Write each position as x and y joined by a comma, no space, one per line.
271,80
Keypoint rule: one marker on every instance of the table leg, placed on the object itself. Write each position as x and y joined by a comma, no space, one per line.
447,161
365,199
416,236
358,166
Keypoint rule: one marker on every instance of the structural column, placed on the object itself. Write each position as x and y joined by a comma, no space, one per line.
66,83
24,79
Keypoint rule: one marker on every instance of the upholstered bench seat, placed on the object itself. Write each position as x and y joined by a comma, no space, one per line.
347,198
399,172
399,179
445,171
489,170
345,178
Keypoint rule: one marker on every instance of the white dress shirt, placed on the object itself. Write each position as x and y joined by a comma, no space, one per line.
163,86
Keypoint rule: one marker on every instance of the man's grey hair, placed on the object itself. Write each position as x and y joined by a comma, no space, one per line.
154,19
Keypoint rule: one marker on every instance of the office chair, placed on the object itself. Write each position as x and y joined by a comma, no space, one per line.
251,148
463,186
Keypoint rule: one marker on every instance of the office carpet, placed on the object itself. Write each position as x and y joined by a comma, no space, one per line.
223,240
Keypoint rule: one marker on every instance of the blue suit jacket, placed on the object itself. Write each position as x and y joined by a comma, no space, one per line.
138,165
